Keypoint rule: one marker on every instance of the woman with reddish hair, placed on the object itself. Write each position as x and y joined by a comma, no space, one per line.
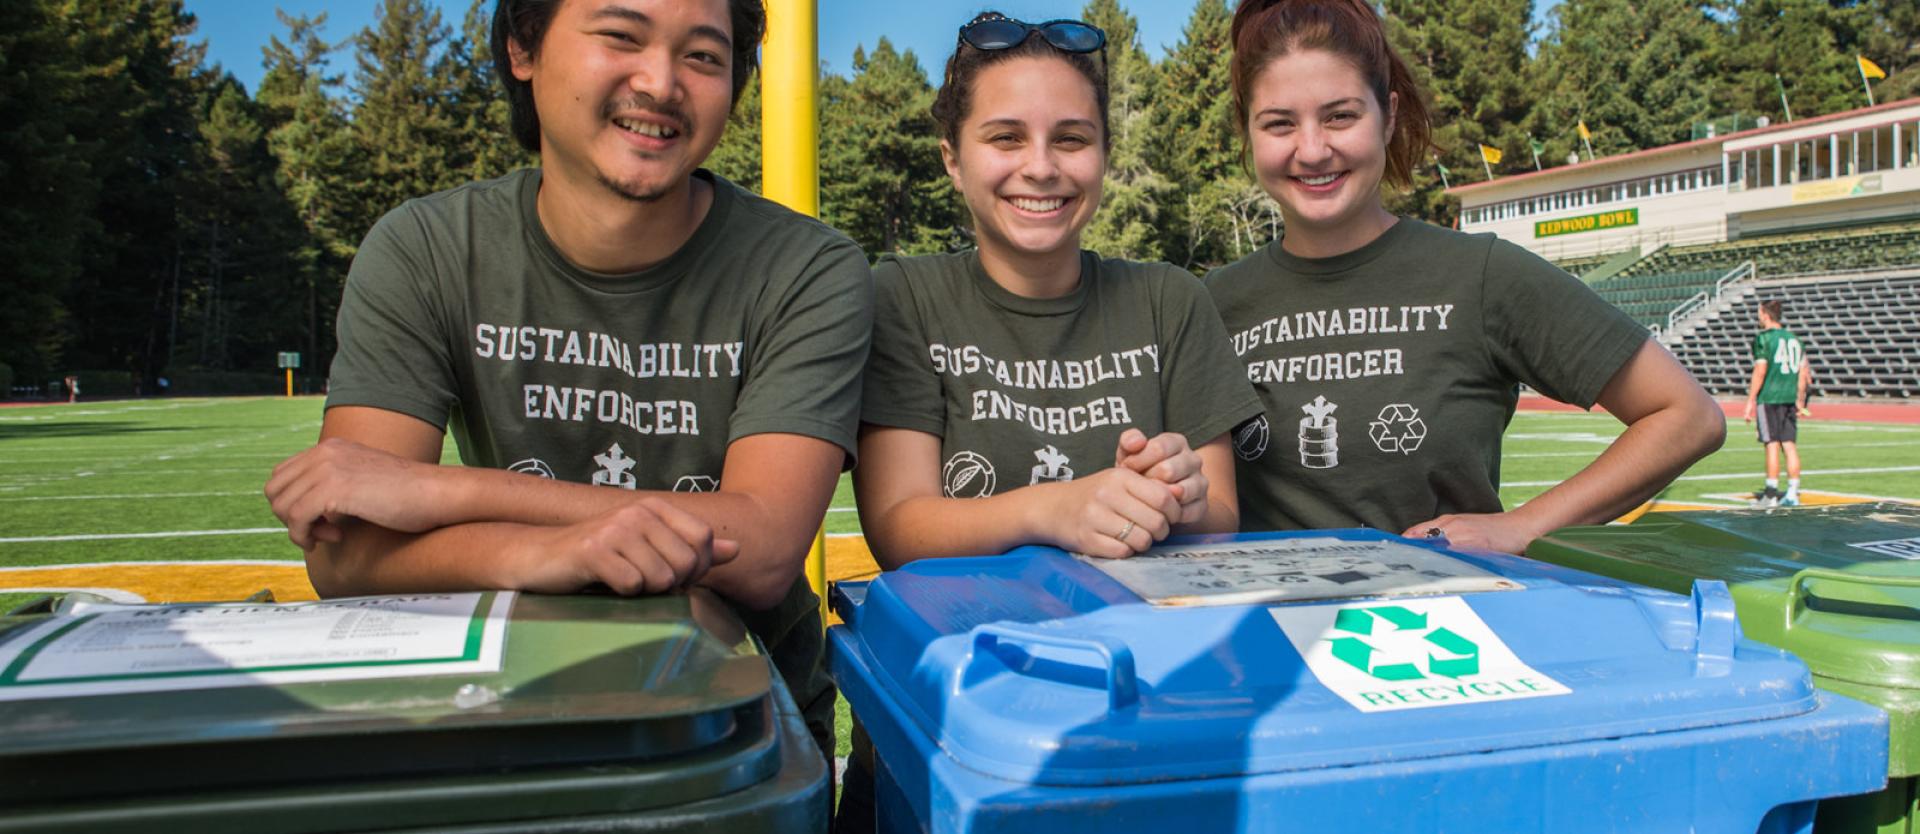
1388,352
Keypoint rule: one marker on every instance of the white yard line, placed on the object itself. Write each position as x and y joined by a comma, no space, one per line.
162,562
1898,444
171,534
163,458
1872,470
137,497
127,471
187,451
58,411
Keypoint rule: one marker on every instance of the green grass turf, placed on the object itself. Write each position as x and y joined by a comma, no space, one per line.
1542,449
199,465
8,602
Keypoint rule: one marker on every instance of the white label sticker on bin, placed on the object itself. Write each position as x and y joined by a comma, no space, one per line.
1409,654
1294,569
118,649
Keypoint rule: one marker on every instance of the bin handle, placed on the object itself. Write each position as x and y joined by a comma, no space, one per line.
1122,685
1797,589
1716,628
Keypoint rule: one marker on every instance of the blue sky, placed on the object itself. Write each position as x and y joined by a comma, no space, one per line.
235,30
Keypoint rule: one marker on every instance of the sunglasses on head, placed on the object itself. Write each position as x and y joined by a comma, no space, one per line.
1006,33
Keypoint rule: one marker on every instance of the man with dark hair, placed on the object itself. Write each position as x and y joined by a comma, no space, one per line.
1780,377
652,374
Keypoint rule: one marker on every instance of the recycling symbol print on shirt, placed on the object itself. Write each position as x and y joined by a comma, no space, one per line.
1398,429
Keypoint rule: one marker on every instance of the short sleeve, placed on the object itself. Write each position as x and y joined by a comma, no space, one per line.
1207,392
803,375
1759,347
1550,331
392,329
902,390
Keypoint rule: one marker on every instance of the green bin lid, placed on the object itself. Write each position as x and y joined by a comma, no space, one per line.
1837,585
573,681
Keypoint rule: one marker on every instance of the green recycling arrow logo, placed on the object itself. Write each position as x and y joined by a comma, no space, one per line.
1464,656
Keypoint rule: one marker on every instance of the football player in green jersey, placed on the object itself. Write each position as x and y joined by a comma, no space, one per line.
1779,387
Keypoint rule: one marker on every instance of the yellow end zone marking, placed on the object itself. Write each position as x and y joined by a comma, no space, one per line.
1660,506
1814,498
169,581
848,557
1808,496
1811,499
215,581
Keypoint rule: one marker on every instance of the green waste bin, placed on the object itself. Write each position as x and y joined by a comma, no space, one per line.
1836,585
451,712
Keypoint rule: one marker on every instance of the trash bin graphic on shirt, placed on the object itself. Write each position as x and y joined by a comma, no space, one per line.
1053,466
615,469
1319,435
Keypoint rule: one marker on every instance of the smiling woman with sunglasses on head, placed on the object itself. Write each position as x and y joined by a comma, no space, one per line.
1396,348
1027,391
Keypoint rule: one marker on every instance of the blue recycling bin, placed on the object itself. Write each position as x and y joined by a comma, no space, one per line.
1330,681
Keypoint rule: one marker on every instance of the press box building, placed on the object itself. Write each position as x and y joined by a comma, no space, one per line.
1846,168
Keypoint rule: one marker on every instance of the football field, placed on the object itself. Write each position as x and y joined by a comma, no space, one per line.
160,499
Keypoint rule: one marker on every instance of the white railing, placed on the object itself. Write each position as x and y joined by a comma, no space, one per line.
1896,270
1743,272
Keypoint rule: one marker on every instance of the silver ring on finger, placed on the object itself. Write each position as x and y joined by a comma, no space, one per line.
1124,532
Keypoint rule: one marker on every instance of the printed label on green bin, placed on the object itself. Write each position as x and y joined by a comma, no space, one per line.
1409,654
119,649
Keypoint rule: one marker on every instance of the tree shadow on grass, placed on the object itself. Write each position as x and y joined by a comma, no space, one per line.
102,428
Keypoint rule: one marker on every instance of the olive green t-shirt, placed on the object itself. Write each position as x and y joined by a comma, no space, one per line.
1783,353
1390,372
460,311
1022,391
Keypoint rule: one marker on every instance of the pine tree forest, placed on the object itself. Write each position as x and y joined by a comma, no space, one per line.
162,221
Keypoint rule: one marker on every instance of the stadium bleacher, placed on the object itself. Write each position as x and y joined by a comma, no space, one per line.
1654,286
1649,298
1862,335
1826,250
1580,266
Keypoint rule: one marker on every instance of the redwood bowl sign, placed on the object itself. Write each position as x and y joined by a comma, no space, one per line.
1587,223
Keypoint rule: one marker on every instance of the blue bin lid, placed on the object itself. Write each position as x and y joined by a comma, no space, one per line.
1039,667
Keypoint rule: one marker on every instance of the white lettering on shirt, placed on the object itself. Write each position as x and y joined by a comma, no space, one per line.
580,405
646,360
1044,374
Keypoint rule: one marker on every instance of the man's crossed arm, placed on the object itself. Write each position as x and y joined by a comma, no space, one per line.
375,512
